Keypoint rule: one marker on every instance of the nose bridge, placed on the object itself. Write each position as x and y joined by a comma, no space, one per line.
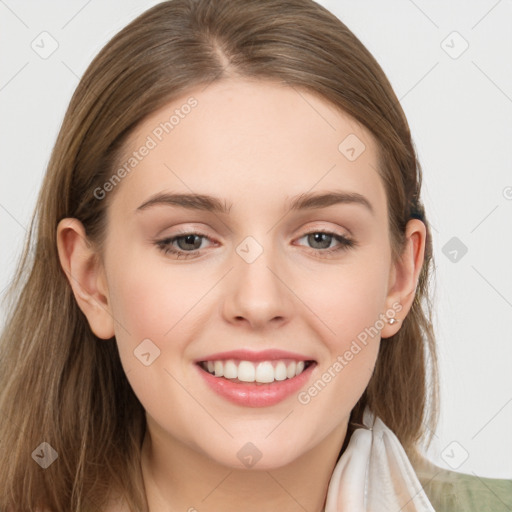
256,292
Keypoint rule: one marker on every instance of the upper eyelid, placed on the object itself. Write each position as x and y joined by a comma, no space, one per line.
312,229
182,234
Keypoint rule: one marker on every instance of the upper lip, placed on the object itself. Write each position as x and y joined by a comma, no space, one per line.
250,355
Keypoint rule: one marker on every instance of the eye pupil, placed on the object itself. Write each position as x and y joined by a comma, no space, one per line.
189,240
315,238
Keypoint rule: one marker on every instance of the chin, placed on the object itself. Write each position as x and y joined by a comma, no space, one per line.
255,455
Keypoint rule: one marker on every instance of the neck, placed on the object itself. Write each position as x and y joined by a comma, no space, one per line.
179,478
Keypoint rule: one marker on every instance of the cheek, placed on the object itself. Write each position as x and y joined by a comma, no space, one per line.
149,300
348,300
154,309
343,375
150,296
349,303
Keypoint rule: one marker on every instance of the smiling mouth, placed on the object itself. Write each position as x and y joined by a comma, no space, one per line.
261,372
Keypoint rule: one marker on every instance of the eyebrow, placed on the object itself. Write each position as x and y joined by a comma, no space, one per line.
305,201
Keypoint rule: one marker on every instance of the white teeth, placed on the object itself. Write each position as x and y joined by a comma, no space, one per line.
219,368
248,371
290,370
280,371
230,371
265,372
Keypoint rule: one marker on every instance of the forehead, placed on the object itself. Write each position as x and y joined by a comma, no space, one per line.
243,140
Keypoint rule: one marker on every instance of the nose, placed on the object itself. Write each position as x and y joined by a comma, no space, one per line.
257,294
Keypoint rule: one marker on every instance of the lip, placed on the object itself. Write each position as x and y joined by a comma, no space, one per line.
249,355
252,394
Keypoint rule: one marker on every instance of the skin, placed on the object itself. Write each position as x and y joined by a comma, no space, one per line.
253,144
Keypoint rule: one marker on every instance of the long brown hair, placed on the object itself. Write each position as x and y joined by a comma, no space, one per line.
62,385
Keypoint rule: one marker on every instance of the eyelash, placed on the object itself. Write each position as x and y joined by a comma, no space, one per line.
166,247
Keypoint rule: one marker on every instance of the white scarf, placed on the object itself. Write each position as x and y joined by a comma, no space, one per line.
374,474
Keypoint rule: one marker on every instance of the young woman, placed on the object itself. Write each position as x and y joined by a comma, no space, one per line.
223,302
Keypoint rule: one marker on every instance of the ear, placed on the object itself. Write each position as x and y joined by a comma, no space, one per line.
86,276
404,275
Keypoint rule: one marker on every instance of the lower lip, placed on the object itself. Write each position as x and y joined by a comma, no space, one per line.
256,395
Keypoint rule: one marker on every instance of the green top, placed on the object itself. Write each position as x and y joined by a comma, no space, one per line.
450,491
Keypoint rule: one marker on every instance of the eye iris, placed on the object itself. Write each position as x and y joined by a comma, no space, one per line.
317,238
193,240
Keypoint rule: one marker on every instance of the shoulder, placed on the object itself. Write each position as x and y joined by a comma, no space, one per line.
451,491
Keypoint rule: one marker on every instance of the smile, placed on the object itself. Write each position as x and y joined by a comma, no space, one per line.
255,379
263,372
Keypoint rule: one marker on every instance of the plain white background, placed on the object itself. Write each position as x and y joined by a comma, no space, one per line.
451,67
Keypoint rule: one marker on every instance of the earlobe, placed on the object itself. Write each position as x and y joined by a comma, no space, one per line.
85,275
405,274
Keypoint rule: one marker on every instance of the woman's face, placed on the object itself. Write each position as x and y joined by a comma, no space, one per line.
247,272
